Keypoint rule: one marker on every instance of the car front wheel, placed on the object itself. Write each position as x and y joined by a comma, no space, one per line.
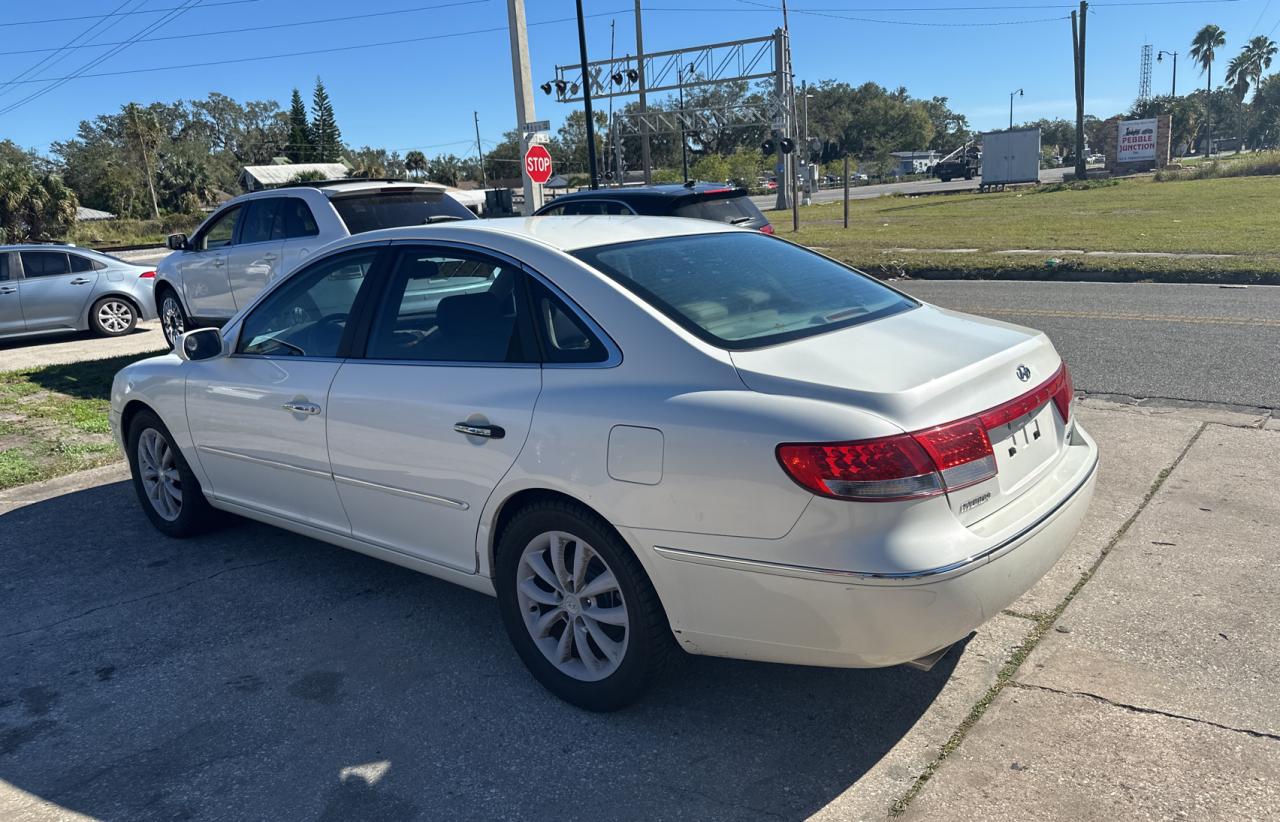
579,607
169,492
173,320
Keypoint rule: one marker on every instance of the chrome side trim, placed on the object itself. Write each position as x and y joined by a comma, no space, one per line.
834,575
284,466
458,505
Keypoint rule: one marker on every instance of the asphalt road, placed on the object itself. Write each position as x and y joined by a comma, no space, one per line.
56,349
932,186
1194,343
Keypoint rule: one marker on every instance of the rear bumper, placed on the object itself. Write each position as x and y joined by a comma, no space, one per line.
776,612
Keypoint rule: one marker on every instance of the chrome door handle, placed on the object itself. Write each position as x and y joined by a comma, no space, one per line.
268,257
7,290
217,263
80,281
301,407
492,432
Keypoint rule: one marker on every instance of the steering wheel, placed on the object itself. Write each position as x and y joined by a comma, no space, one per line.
326,332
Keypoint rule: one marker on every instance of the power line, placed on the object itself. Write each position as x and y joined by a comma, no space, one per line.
119,14
60,50
1002,7
283,55
57,82
920,23
1261,14
344,19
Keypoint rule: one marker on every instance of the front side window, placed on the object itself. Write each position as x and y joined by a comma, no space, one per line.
222,231
370,212
449,306
4,266
741,290
307,316
44,264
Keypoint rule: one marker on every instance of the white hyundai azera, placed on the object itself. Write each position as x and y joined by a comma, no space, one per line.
640,434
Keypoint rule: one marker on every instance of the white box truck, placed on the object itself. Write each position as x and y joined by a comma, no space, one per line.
1011,156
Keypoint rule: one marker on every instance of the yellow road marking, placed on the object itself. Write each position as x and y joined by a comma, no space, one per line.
1104,315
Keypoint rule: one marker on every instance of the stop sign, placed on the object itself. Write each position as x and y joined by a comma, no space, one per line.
537,164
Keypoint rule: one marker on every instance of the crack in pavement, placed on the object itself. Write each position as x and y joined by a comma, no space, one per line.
1144,710
142,598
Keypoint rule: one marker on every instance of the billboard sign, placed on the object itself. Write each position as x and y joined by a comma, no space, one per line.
1137,141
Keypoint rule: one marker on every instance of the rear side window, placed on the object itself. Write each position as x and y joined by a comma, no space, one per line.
741,290
79,263
734,210
298,219
584,207
44,263
260,222
565,339
4,266
370,212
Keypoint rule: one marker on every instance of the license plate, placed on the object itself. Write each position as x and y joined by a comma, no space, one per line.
1024,445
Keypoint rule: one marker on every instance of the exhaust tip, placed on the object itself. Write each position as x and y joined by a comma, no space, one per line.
926,663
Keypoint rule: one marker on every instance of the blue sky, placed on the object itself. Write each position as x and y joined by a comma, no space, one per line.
422,95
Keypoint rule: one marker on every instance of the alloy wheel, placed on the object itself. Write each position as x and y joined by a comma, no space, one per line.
159,472
572,606
115,316
171,319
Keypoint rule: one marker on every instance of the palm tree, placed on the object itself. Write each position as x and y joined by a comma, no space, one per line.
415,162
1204,47
1239,73
1261,50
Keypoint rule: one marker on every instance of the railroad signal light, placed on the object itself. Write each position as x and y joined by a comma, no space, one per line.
768,147
787,145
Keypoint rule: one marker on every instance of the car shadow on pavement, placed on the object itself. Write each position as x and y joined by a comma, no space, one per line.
254,674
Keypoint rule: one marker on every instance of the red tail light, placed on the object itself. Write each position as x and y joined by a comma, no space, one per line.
147,275
767,228
920,464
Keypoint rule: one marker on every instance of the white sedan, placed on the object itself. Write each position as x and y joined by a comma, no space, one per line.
640,434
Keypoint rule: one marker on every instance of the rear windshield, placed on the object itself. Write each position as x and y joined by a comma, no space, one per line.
370,212
735,210
742,290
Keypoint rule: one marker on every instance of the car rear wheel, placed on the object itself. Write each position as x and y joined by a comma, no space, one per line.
579,607
169,492
173,320
113,317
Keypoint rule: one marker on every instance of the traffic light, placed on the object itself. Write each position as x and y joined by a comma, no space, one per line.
787,145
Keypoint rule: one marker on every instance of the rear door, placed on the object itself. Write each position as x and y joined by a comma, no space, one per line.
301,232
254,259
423,428
10,300
203,269
55,293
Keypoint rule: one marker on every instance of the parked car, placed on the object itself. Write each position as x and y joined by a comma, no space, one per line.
46,289
255,238
702,201
640,434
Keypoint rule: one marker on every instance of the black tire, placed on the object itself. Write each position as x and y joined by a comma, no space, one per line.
194,513
173,320
946,179
650,644
113,316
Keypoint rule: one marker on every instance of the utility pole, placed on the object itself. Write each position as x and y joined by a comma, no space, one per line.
1011,94
146,161
684,137
484,182
1077,45
846,191
645,158
524,96
586,101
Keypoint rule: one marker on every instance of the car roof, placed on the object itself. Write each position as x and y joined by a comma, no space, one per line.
332,188
666,190
563,233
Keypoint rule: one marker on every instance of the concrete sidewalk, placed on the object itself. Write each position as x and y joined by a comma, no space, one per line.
251,673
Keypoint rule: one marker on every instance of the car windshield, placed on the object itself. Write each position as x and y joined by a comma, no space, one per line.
735,210
743,290
375,210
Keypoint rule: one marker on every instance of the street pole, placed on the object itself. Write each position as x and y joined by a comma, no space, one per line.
524,96
586,100
684,141
645,157
846,191
146,162
484,182
1077,46
779,129
808,172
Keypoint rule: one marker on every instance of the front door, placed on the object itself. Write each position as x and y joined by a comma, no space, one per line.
425,426
203,268
254,260
54,294
258,416
10,300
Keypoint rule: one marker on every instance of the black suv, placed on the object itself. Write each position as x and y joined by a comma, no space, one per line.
702,201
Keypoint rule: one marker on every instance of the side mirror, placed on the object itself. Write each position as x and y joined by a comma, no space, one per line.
177,242
201,344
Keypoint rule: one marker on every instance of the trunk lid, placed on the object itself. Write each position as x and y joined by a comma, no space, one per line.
926,367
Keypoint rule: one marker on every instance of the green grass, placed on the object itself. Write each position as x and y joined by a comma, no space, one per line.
131,232
1215,216
1263,163
53,420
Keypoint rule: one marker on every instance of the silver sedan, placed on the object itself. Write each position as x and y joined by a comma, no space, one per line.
46,289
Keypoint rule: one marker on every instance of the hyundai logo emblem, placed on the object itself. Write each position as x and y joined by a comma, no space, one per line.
1023,373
